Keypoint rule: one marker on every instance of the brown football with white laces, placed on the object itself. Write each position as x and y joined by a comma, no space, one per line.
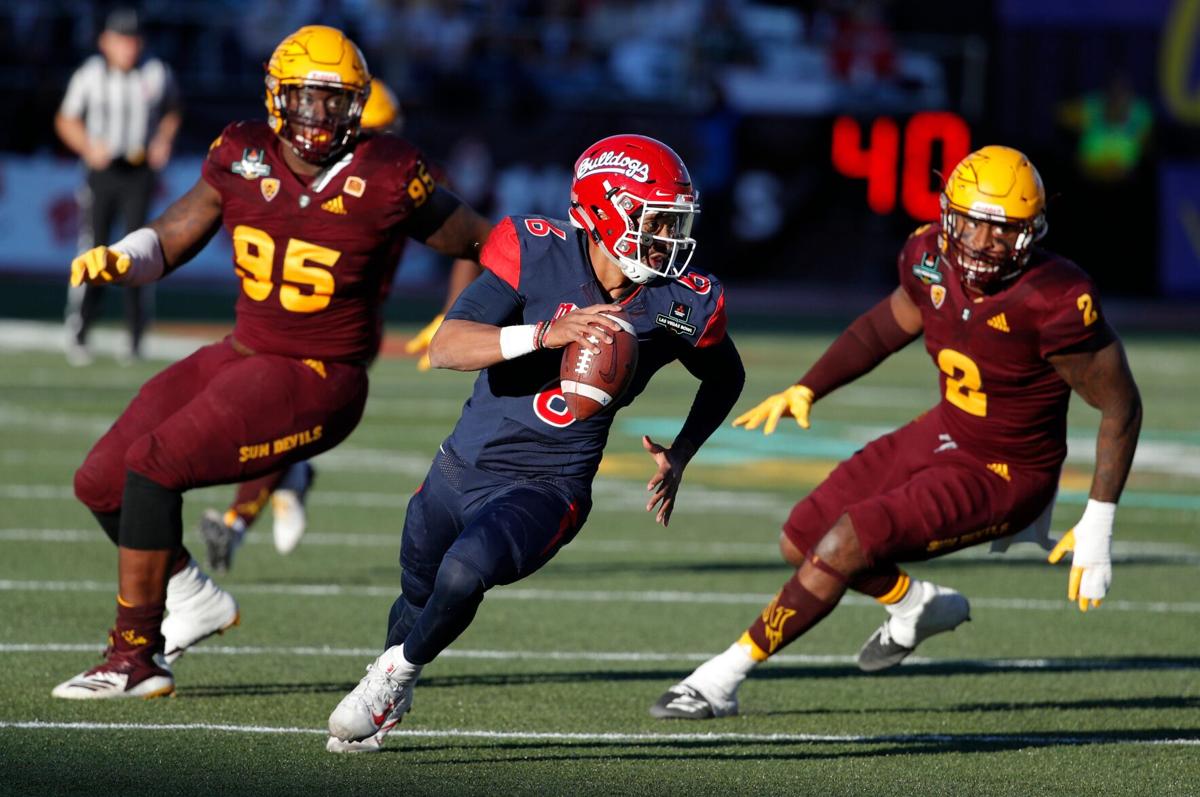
591,382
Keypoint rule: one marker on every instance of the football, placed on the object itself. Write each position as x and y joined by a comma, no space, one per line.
590,382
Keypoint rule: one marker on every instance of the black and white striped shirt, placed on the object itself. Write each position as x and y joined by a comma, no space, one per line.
122,109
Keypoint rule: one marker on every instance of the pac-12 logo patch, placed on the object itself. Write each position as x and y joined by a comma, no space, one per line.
269,188
355,186
937,294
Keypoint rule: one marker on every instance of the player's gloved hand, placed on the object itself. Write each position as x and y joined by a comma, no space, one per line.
98,266
420,341
795,401
1091,562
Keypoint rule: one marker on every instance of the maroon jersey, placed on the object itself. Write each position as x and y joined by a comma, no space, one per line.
1002,400
314,259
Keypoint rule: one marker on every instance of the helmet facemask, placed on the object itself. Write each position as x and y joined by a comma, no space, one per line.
657,240
991,268
319,119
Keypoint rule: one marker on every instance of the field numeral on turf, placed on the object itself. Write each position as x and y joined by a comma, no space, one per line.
254,253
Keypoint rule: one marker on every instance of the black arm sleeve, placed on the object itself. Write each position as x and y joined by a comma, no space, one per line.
721,374
429,218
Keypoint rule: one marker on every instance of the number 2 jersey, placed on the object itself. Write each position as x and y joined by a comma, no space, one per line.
315,260
516,421
1002,400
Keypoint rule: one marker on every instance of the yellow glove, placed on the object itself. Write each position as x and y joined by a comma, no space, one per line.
795,401
1090,543
420,342
98,266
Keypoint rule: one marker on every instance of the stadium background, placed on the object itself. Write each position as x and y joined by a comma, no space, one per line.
547,692
505,95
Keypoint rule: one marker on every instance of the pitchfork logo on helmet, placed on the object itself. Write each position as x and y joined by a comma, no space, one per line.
999,188
317,84
634,197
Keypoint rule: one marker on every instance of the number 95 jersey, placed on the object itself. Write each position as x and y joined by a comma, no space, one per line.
1001,398
313,257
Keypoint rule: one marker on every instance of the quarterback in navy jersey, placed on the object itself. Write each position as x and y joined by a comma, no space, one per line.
511,485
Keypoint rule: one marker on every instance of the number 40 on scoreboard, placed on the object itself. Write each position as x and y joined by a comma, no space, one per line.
878,159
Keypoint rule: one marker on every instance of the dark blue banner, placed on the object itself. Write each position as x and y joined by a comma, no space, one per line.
1179,203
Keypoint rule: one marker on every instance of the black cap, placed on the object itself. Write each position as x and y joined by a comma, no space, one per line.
124,21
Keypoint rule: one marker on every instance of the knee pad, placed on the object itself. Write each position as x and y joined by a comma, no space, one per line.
99,488
459,582
147,455
151,516
416,585
111,523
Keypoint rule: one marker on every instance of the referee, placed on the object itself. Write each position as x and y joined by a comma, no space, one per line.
120,115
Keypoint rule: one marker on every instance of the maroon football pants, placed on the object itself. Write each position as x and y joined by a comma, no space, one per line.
219,417
913,495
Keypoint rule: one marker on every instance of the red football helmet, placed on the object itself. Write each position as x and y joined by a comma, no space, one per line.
634,197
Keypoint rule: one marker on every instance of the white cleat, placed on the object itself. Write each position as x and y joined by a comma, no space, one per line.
196,609
384,695
372,744
287,507
942,609
120,676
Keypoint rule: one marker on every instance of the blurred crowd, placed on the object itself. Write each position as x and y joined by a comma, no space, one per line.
502,91
807,57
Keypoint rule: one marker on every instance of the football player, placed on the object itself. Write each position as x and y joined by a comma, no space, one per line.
1012,329
317,216
287,489
511,485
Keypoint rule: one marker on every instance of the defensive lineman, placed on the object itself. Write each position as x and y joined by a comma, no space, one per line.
1012,329
316,217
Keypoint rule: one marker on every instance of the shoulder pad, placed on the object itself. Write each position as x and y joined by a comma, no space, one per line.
501,253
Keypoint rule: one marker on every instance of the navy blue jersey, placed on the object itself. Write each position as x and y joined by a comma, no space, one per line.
516,421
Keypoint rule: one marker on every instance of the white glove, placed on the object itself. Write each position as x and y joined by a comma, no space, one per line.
1091,562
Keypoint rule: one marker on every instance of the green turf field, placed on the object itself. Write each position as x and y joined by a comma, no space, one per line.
547,693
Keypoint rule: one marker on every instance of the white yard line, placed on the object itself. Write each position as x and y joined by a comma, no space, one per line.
603,596
1176,553
630,738
621,657
608,495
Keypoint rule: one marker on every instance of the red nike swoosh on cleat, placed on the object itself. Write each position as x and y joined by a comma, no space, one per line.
378,718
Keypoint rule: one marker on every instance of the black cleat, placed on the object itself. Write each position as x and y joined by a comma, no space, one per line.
220,540
683,702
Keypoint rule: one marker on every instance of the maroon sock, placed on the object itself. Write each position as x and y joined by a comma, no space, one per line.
792,612
182,557
879,582
138,629
252,496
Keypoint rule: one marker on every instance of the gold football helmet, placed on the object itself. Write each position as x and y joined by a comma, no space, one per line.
993,210
382,111
317,85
